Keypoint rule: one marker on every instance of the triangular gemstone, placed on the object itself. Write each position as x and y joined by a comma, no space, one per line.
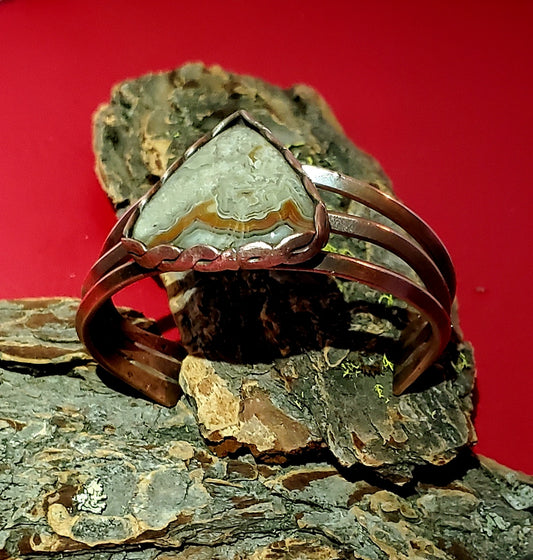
236,189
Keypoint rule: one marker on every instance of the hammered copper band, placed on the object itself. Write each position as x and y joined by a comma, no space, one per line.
151,363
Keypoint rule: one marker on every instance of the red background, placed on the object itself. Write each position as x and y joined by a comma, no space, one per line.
440,92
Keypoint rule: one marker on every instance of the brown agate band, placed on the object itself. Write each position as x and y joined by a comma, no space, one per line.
151,363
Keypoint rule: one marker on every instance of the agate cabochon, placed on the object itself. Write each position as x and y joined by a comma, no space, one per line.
235,189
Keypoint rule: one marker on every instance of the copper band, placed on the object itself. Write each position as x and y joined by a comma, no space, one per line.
151,363
391,208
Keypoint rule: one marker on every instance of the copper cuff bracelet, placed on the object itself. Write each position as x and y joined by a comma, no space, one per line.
238,199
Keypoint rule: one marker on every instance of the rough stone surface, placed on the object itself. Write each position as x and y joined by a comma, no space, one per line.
284,363
93,472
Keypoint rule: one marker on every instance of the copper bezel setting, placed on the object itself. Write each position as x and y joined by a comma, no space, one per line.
295,248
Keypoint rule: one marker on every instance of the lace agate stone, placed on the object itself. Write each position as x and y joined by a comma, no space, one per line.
235,189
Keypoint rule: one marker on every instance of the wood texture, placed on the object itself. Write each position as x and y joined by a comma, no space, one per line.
90,471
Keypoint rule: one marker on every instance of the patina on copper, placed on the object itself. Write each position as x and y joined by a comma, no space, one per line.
151,363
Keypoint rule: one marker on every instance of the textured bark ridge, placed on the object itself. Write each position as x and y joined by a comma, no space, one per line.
91,472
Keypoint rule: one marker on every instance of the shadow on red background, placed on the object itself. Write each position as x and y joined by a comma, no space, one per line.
439,92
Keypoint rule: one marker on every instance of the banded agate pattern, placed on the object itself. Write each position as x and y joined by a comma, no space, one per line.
235,189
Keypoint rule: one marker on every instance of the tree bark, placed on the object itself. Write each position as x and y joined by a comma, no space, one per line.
90,470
